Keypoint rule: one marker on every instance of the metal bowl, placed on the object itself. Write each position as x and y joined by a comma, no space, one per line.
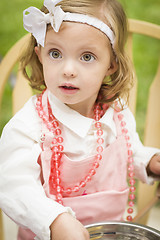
122,230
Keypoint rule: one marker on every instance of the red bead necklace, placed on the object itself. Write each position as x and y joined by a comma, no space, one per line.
130,167
57,150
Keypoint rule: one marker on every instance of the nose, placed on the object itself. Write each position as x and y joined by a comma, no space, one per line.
69,69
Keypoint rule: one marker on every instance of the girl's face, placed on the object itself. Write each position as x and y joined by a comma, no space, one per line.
75,61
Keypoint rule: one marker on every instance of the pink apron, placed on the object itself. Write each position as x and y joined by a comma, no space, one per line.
105,196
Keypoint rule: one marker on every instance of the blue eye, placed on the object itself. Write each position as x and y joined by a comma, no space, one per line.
88,57
55,54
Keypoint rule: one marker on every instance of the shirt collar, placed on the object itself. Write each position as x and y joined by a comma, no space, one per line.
108,120
74,120
69,117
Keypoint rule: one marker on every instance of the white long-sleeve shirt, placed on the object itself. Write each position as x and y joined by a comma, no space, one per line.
22,196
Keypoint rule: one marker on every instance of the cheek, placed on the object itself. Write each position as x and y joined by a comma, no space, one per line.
99,76
93,84
102,68
48,76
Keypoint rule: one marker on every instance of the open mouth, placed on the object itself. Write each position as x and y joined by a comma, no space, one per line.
69,87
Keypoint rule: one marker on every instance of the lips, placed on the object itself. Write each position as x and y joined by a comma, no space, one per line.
68,88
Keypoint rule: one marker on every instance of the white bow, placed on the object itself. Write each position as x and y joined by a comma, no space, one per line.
35,21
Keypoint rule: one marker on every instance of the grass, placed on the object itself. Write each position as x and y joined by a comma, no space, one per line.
145,51
11,14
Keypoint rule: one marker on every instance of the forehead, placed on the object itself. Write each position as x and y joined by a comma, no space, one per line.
77,33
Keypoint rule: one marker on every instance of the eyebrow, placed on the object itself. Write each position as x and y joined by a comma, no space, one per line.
50,43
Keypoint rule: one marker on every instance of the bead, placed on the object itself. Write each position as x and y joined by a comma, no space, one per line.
131,196
131,174
88,178
45,118
60,148
97,107
120,116
130,210
123,123
76,189
128,145
99,132
130,167
130,153
131,203
41,113
96,164
57,173
92,172
58,181
57,131
97,111
124,131
38,102
99,149
55,149
129,218
59,196
132,189
82,184
99,157
68,191
59,139
97,124
55,124
97,117
58,188
100,140
55,155
102,113
132,182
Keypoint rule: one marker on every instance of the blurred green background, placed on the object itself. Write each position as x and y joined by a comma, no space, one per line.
145,51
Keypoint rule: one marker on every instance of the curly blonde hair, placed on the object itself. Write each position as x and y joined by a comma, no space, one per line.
110,12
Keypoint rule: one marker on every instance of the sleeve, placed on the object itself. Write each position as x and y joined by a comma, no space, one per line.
141,154
22,196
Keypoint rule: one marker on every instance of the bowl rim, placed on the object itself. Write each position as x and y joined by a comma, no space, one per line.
113,226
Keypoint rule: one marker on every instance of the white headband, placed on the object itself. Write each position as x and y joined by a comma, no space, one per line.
35,21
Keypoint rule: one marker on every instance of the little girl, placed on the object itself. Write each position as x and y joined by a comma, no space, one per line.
65,155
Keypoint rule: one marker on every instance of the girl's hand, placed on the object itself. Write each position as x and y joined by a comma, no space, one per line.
67,227
153,167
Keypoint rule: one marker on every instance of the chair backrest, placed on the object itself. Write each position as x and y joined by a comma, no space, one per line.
152,120
22,92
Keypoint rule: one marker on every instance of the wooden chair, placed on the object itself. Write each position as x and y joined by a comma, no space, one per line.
152,124
22,92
